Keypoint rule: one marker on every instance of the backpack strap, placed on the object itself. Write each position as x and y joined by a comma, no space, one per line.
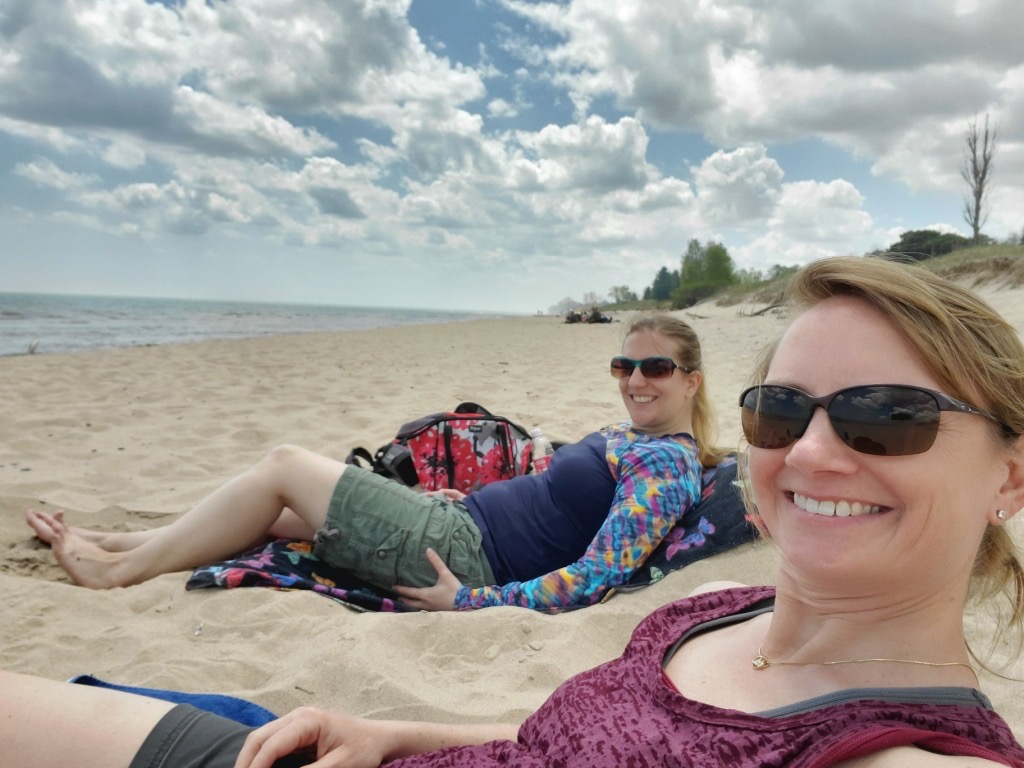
360,457
395,460
449,457
392,460
469,407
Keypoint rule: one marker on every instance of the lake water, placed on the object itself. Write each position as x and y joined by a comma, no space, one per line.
56,323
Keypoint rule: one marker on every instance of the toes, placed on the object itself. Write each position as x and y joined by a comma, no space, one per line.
46,527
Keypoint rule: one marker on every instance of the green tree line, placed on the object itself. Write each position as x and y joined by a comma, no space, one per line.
706,269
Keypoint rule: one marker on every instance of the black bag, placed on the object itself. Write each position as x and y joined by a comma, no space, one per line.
464,449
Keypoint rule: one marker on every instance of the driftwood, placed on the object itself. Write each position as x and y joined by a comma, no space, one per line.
761,311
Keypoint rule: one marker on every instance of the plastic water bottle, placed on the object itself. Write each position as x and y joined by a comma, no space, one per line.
542,450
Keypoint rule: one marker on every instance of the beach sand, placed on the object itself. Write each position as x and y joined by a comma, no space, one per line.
125,438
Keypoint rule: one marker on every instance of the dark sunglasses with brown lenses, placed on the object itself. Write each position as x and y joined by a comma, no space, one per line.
653,368
880,420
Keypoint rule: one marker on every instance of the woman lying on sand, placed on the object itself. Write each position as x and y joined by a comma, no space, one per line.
886,456
551,540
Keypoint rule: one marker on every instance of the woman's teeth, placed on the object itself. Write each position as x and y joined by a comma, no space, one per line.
834,508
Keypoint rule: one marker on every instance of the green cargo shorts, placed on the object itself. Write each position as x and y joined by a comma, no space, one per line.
379,530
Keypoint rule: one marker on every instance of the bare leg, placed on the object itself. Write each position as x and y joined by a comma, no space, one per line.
233,518
290,526
44,723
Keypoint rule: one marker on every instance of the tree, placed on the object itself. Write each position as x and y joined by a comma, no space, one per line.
705,270
921,244
977,172
664,283
620,294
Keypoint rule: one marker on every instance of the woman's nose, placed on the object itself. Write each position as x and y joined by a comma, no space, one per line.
819,447
637,377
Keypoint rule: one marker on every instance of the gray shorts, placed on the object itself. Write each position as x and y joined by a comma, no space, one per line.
379,530
187,737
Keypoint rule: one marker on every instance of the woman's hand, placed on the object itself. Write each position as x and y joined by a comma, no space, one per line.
441,596
340,741
343,741
450,493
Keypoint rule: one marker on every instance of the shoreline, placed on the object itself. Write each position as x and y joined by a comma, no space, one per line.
51,324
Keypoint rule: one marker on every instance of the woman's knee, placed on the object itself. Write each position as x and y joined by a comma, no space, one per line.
285,457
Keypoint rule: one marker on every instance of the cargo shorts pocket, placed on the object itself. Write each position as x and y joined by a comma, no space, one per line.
463,561
383,566
377,563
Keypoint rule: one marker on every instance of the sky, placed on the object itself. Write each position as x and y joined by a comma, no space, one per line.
493,155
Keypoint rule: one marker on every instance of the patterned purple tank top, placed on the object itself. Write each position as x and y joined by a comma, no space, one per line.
625,714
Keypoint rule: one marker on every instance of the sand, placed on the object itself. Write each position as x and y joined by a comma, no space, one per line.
125,438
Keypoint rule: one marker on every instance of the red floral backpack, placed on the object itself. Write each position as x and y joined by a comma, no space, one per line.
463,449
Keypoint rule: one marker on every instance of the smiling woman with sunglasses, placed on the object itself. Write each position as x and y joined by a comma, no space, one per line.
885,460
545,541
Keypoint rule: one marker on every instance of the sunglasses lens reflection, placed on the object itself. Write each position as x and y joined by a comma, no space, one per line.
622,368
886,421
656,368
651,367
774,417
879,421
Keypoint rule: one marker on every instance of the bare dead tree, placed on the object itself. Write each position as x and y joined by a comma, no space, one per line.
977,172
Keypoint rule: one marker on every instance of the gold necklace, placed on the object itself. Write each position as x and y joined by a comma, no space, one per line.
763,662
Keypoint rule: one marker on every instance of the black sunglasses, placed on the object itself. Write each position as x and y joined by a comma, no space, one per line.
651,367
881,420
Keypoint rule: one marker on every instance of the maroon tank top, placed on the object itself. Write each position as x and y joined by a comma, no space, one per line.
626,713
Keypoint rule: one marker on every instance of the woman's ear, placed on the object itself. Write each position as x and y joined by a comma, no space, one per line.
1011,493
694,379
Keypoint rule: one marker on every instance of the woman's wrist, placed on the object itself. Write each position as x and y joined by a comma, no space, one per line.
399,738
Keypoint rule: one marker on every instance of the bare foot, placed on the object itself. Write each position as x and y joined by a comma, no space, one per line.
43,523
87,564
111,541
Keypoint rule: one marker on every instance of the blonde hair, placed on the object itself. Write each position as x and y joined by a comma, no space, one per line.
967,346
688,355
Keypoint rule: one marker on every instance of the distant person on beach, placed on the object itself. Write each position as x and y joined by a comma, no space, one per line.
885,458
544,541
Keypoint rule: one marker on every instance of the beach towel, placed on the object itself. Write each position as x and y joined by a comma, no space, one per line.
231,707
717,523
291,564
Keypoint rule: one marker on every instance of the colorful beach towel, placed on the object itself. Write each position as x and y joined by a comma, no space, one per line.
716,524
291,564
719,522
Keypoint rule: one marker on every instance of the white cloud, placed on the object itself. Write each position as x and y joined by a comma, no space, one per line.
738,188
874,77
812,220
594,156
46,174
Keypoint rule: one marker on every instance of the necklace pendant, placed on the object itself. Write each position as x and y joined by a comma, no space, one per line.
759,662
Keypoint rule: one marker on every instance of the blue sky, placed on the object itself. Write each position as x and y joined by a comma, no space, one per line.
483,155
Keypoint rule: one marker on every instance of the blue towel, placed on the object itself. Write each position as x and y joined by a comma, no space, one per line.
233,708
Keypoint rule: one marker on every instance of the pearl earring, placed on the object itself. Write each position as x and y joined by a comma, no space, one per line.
1001,514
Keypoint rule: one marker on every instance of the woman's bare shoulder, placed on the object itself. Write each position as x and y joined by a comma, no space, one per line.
899,757
715,586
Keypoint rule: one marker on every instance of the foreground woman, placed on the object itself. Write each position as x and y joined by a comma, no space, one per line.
886,456
552,540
